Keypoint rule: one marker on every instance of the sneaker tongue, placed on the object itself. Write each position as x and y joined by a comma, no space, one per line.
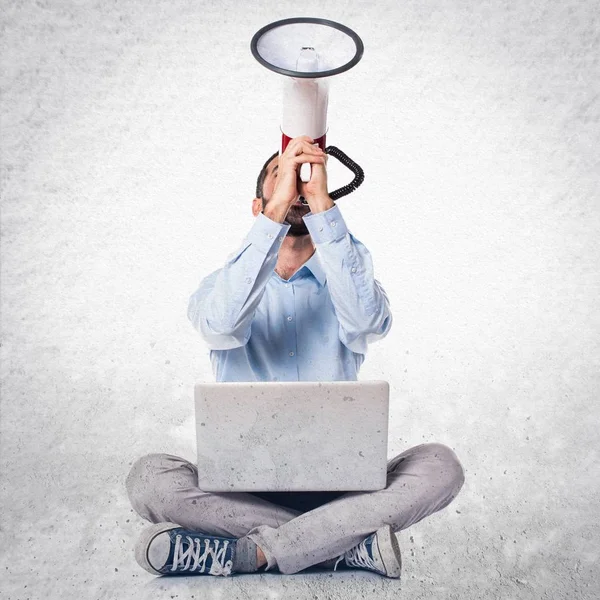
365,555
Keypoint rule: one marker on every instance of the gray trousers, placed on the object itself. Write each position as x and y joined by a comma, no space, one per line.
296,530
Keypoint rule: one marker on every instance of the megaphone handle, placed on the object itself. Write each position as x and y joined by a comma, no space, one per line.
305,172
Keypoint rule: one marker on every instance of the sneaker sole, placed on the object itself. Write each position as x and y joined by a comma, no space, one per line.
143,543
389,550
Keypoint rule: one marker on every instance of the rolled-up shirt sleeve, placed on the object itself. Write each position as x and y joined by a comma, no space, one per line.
360,302
223,306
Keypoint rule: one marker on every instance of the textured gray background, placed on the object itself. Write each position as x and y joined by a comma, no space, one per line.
132,133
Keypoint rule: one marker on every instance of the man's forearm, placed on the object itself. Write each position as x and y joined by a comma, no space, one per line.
365,315
321,204
275,212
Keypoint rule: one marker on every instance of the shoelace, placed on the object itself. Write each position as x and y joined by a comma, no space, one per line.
183,556
358,557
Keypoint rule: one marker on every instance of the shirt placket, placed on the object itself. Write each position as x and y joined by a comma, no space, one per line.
291,337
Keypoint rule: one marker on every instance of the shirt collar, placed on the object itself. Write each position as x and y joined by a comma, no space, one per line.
313,264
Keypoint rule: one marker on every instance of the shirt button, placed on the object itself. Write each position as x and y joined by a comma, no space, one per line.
289,318
280,238
270,235
320,229
353,269
291,354
248,280
333,223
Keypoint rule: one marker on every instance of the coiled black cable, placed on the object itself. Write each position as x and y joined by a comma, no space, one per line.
359,174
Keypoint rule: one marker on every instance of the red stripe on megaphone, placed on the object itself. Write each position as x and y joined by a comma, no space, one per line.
285,140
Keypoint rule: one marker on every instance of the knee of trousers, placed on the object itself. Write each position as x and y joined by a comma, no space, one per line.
154,477
449,472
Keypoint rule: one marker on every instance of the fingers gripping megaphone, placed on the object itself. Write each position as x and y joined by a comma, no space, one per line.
308,51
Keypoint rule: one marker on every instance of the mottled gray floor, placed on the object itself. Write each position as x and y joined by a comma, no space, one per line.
132,133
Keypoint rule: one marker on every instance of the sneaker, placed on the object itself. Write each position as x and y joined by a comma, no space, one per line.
167,549
379,552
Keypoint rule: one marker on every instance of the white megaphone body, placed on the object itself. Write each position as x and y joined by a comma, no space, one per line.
308,51
305,106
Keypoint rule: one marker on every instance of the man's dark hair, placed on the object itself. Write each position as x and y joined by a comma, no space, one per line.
262,175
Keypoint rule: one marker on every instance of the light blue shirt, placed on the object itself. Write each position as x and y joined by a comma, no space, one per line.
313,327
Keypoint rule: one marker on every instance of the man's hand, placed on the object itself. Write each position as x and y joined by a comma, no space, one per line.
315,190
289,186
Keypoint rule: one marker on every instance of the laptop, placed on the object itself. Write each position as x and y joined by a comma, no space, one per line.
292,436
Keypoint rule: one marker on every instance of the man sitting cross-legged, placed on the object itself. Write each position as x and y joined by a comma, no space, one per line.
297,301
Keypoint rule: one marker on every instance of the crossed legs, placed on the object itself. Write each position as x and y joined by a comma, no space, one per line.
421,481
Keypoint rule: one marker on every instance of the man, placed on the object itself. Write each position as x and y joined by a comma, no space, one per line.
297,301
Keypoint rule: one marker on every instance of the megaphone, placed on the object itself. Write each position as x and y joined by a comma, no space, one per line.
307,51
